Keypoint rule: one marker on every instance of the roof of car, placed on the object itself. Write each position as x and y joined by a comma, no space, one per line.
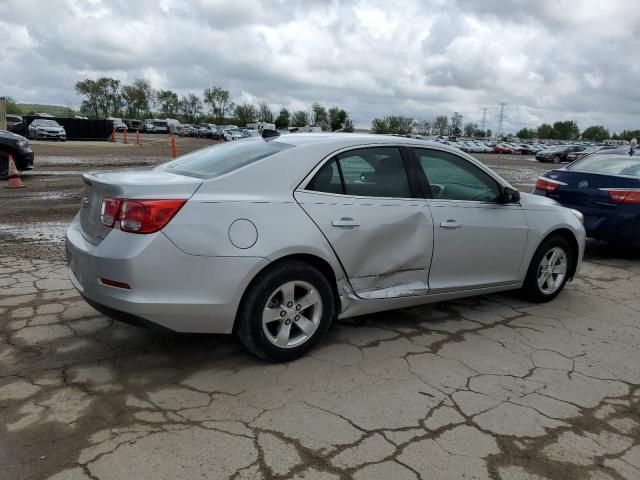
299,139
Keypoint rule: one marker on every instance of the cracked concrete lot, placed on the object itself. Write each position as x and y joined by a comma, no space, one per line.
490,387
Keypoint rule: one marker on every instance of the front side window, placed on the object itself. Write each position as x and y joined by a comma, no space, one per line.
365,172
453,178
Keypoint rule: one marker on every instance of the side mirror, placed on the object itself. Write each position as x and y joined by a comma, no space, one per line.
509,195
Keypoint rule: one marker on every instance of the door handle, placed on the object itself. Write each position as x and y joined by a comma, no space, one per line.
450,224
345,222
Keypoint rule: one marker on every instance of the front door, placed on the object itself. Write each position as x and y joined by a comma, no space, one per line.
383,236
478,242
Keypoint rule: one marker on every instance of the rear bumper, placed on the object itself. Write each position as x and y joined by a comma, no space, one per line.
620,226
169,288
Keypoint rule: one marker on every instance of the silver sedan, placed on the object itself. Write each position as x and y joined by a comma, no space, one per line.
273,238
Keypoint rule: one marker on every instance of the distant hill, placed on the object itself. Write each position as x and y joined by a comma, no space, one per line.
55,110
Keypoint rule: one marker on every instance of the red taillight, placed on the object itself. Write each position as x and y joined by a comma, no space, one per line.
622,195
548,185
147,216
139,216
109,211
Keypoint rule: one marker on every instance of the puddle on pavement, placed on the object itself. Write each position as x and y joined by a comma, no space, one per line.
46,232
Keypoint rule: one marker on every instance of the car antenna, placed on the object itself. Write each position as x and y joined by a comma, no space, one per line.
268,134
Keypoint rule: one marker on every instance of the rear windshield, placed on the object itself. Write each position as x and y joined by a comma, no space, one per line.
220,159
608,165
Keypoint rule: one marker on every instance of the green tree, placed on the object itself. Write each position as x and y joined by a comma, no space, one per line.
319,116
566,130
245,113
91,92
422,127
283,119
190,107
219,102
265,114
456,124
168,103
470,129
526,133
348,125
596,133
488,133
300,119
392,124
337,118
11,106
137,98
441,125
545,131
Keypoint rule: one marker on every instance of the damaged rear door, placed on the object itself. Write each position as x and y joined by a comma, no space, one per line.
366,205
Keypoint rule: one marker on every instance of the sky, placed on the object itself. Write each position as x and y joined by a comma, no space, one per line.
548,60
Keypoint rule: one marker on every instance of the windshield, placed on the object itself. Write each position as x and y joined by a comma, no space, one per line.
47,123
608,165
220,159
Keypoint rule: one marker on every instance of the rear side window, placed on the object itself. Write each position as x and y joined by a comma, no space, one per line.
220,159
608,165
365,172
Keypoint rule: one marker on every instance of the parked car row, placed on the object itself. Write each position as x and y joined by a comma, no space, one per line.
557,153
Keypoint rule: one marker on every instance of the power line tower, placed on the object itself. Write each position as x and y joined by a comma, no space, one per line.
484,118
501,118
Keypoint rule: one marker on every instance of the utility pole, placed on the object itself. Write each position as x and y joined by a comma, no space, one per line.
501,119
484,118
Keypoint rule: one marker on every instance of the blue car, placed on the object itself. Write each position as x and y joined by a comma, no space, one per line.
605,187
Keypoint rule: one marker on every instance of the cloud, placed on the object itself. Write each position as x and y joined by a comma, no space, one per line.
547,59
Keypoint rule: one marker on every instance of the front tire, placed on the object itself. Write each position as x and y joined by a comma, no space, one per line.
549,270
556,159
285,312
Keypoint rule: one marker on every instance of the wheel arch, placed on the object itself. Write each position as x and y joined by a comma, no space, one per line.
319,263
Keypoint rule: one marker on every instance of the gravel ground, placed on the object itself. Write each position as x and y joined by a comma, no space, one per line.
484,388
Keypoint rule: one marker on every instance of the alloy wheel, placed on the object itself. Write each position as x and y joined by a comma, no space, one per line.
292,314
552,270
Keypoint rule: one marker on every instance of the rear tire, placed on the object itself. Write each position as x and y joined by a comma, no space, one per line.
276,319
556,159
549,270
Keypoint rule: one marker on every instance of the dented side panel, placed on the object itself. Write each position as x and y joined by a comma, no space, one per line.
386,252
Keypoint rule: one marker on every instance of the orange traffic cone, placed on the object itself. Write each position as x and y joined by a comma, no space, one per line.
14,179
172,142
113,134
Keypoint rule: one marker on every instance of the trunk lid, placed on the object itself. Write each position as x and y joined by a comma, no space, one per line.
147,184
584,190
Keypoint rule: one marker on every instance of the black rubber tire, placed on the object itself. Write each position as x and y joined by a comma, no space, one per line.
556,159
248,326
530,289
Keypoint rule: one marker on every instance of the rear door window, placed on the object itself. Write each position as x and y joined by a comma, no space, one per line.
364,172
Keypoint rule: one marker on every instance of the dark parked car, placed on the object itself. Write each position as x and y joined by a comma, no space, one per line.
573,156
558,154
15,124
18,147
605,187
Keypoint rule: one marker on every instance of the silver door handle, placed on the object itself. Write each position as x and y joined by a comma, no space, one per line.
345,222
450,224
